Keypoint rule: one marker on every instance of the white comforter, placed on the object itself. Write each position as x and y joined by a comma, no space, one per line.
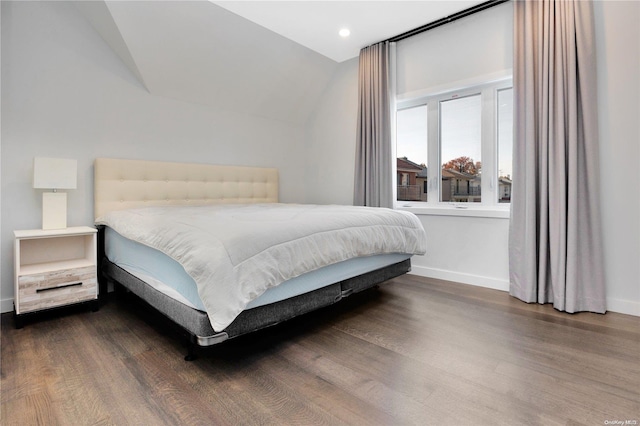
235,253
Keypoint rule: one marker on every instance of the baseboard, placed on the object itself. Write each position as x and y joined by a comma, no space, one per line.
6,305
620,306
459,277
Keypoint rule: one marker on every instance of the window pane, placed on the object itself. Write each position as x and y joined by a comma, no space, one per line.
505,144
460,148
411,153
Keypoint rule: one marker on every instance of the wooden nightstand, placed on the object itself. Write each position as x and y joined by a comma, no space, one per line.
54,268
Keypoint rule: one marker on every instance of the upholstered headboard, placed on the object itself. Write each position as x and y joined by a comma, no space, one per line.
126,184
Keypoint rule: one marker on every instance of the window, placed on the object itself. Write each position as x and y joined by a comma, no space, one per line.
455,147
460,149
411,151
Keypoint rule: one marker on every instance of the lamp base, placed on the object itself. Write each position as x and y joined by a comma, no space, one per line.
54,210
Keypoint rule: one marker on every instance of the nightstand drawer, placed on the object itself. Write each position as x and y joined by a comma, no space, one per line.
56,288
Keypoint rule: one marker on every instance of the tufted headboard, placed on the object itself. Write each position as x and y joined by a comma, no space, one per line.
126,184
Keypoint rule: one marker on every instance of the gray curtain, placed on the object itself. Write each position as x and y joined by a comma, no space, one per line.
555,249
373,173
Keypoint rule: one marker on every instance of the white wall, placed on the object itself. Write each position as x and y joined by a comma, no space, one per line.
457,53
331,134
484,240
618,48
66,94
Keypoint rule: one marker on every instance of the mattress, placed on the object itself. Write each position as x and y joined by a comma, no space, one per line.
234,253
169,277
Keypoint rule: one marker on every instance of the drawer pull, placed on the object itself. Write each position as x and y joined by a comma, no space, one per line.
40,290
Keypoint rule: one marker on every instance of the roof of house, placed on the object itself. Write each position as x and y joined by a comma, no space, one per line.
450,173
406,165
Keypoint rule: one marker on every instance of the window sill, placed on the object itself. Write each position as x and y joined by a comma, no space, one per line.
461,209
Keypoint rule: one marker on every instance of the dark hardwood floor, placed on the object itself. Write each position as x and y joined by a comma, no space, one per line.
414,351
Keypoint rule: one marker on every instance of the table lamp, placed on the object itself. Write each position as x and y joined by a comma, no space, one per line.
54,174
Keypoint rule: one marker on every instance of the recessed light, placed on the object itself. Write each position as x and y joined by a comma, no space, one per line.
344,32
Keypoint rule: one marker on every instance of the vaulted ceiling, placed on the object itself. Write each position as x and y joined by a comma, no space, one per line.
198,51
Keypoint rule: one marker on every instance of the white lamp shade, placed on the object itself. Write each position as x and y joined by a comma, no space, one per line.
55,173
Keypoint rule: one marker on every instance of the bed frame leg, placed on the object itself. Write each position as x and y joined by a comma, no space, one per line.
191,352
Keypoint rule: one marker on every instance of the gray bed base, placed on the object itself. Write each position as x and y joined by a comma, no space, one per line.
196,323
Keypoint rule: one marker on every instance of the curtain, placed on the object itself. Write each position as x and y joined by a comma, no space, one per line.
373,169
555,249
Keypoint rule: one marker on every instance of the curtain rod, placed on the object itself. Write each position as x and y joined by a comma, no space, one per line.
470,11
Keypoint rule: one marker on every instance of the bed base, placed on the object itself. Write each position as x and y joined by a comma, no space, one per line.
196,323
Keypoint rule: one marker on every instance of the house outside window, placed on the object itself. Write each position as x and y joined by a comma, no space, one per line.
411,180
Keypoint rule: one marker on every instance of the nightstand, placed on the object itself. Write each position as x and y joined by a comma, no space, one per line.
54,268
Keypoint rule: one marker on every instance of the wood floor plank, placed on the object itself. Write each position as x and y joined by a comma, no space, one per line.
416,351
33,409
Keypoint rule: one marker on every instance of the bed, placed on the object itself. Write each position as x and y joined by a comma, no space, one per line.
213,250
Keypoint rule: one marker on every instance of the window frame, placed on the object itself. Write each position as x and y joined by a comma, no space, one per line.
489,206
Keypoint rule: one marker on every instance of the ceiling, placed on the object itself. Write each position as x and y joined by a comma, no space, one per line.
315,24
